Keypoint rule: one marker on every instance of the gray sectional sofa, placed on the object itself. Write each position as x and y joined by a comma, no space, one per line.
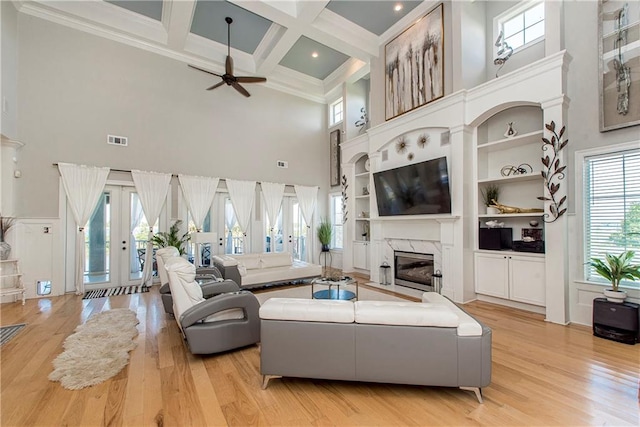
433,343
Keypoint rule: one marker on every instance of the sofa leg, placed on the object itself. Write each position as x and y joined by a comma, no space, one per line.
266,378
476,390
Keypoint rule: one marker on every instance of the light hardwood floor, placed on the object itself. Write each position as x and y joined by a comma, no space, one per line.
543,374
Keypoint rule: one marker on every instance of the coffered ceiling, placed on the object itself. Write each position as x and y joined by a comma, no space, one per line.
303,47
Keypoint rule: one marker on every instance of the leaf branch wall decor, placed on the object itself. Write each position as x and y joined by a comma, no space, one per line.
553,172
345,185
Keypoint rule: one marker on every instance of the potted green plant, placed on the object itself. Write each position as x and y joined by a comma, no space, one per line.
164,239
490,195
616,268
325,231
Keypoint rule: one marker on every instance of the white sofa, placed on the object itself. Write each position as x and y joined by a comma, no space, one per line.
433,343
268,268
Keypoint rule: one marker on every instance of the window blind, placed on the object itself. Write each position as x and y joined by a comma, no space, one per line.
612,206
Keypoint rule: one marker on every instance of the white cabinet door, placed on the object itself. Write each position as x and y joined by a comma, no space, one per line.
492,275
527,279
361,255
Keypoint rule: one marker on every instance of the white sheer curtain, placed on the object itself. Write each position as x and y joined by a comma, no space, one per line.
272,195
307,198
242,194
136,217
152,188
230,220
198,192
83,186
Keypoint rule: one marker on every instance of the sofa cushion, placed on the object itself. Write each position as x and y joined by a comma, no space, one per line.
295,271
405,314
225,260
307,310
468,326
250,261
282,259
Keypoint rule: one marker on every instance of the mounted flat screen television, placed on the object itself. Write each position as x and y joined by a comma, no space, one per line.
418,189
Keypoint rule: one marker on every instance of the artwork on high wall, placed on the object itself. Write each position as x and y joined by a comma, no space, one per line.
334,157
414,65
619,49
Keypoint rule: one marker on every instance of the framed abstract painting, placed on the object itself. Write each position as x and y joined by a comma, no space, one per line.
414,65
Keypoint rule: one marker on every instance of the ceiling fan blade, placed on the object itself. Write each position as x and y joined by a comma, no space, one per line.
251,79
240,89
205,71
229,65
216,85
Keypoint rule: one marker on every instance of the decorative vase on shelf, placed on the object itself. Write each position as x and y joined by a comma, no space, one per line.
5,250
492,210
510,132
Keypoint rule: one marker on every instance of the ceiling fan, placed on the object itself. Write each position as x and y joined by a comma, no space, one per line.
228,76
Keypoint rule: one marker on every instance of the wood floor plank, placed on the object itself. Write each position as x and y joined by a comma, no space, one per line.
543,374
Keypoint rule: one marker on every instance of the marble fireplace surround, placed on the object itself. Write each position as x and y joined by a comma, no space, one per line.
427,234
416,246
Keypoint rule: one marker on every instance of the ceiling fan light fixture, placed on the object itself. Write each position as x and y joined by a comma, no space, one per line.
228,77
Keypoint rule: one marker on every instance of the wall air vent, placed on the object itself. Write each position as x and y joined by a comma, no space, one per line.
282,164
122,141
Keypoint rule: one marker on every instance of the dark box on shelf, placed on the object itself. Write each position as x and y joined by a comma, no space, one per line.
496,239
535,247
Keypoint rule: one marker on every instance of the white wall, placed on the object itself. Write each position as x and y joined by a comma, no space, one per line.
75,88
9,65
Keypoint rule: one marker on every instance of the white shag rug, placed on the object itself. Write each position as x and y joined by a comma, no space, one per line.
97,350
304,291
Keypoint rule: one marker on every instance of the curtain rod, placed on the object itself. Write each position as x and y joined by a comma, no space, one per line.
173,175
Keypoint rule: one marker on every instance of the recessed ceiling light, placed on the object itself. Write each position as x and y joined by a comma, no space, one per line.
314,54
397,7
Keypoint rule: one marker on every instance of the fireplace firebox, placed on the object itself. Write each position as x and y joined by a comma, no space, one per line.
413,270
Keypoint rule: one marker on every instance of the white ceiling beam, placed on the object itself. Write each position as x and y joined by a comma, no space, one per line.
176,18
352,70
273,47
331,26
405,22
106,15
305,25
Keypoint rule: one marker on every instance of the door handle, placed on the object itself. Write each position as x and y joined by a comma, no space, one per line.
124,242
124,248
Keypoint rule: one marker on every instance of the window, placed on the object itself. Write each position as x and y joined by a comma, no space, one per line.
611,206
335,206
523,24
335,112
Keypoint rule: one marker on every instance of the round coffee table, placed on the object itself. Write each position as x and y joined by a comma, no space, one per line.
334,291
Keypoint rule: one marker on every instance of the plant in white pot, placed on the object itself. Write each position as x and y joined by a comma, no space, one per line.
616,268
490,195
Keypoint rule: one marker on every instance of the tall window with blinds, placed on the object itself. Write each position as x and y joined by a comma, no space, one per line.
612,206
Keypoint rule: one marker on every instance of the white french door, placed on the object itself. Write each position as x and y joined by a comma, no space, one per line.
116,237
292,229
